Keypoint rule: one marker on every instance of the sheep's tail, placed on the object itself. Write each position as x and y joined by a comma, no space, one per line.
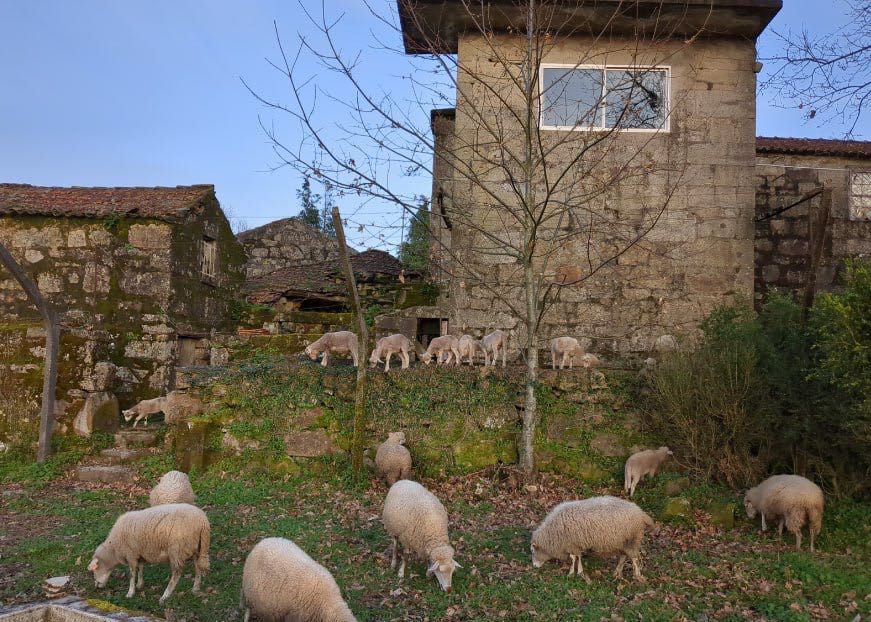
814,518
202,562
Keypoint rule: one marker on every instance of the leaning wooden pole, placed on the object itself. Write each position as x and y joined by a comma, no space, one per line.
359,438
52,344
818,224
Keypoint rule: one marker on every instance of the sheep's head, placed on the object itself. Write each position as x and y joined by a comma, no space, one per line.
375,357
128,414
102,564
665,450
749,507
396,437
311,353
426,357
539,556
443,566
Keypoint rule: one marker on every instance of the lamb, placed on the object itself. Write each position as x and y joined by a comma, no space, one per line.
791,500
143,409
468,347
643,463
590,360
281,582
342,341
415,518
173,487
446,344
492,343
388,346
173,533
605,526
563,350
392,460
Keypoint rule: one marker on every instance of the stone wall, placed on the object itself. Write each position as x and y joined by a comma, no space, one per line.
699,251
782,242
285,243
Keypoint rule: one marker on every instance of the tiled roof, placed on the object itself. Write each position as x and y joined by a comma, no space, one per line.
374,261
173,204
814,146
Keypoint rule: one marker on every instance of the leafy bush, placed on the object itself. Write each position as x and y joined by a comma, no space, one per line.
772,393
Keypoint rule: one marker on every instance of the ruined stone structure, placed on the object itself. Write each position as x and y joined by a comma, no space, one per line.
285,243
700,251
787,171
141,278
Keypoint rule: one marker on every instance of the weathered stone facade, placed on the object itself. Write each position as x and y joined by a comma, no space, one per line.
787,171
139,276
285,243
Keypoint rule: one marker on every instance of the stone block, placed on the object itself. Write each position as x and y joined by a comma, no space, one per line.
676,486
33,256
479,453
76,238
100,413
310,444
102,378
609,445
676,507
150,237
106,474
135,438
722,514
180,407
119,455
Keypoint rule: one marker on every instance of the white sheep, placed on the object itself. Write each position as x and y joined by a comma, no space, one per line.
144,409
343,341
172,534
173,487
417,520
388,346
792,500
281,582
468,347
563,350
446,344
392,460
605,526
643,463
492,344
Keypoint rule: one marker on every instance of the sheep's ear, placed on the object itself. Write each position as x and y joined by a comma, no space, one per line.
95,563
432,568
534,546
456,564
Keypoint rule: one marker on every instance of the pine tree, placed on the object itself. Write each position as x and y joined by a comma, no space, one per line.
310,213
327,214
414,251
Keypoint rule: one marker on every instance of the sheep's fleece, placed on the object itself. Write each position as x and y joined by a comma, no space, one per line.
280,582
173,534
791,500
173,487
392,460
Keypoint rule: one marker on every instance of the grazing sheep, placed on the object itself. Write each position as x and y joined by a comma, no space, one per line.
791,500
388,346
173,534
446,344
392,460
173,487
417,520
604,526
643,463
492,344
468,347
342,341
143,409
280,582
563,350
590,360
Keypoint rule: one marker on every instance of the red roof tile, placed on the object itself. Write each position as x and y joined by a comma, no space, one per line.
814,146
173,204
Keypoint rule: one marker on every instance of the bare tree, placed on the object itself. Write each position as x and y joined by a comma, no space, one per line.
829,75
531,176
52,345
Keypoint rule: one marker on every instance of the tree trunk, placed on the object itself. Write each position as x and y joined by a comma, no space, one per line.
52,344
530,407
360,419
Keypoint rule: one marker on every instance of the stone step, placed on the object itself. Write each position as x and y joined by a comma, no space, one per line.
122,455
104,474
136,438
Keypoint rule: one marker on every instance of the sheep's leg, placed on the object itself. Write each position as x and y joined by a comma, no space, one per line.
406,360
780,529
133,566
618,571
636,569
325,359
401,572
763,521
504,353
393,555
173,581
387,362
198,579
811,530
457,359
140,582
573,559
581,572
247,616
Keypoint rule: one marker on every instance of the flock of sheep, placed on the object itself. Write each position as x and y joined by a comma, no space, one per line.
446,350
281,582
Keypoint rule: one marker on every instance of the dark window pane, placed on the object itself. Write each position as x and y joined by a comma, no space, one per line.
571,97
636,99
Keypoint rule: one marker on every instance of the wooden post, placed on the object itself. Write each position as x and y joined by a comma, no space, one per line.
818,223
359,437
52,344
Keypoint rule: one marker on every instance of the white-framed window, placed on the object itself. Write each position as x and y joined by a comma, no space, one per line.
860,195
585,97
210,258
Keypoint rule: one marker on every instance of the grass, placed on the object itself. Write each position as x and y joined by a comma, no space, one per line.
692,568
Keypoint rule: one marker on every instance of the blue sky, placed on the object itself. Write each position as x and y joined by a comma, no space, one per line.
114,93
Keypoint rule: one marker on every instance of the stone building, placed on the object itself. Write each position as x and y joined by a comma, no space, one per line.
285,243
696,65
788,171
141,278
